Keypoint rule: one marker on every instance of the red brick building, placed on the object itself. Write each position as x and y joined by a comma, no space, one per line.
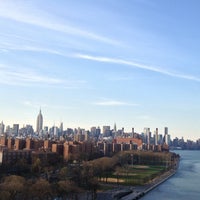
129,141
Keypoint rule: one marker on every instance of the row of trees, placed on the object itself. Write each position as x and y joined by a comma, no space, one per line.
68,182
103,167
17,187
74,178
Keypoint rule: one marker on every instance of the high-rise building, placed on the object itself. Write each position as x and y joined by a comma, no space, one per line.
114,132
39,123
2,126
55,131
147,135
46,131
106,131
115,128
61,129
132,133
8,130
156,136
15,129
166,135
93,131
98,131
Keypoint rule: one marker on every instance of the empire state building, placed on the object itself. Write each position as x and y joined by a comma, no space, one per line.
39,122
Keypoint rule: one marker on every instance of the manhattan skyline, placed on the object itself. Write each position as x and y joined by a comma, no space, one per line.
94,63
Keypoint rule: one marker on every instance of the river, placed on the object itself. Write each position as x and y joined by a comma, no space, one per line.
184,184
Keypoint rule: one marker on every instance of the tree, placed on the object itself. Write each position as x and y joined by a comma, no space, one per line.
12,186
67,189
64,173
102,167
37,166
4,195
93,184
89,180
41,189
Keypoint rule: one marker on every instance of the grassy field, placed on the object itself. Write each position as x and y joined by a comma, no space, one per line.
134,174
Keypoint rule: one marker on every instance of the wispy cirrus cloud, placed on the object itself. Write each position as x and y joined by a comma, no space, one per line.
32,48
32,104
13,76
113,103
136,65
22,13
24,77
144,117
11,43
119,78
45,105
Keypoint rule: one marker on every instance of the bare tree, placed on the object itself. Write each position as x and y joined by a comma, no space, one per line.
12,186
41,189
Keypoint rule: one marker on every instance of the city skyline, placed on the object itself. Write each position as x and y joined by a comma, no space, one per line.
87,63
106,129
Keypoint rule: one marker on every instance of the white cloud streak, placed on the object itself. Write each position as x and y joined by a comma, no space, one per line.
23,14
14,77
113,103
101,59
44,105
135,65
24,77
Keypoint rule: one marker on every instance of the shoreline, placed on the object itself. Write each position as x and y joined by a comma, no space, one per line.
146,189
135,192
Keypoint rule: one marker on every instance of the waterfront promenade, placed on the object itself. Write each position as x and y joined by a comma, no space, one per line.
134,192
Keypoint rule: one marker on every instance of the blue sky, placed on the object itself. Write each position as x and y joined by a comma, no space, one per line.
93,63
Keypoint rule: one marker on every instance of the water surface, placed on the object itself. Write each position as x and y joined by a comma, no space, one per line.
185,184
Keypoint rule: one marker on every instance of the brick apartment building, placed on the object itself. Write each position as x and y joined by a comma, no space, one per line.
9,156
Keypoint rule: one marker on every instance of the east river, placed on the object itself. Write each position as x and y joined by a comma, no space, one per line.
185,184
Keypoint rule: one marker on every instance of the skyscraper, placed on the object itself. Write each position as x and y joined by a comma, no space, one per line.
147,135
2,126
61,129
39,123
106,131
166,135
156,136
115,128
15,129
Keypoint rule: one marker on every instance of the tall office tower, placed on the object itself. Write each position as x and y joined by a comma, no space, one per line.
15,129
8,130
106,131
156,136
122,130
61,129
39,122
132,133
114,132
160,139
46,131
147,135
29,130
61,126
2,126
98,131
166,135
115,128
93,131
55,131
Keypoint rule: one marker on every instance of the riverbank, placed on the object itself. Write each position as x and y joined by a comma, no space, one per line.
134,192
156,182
